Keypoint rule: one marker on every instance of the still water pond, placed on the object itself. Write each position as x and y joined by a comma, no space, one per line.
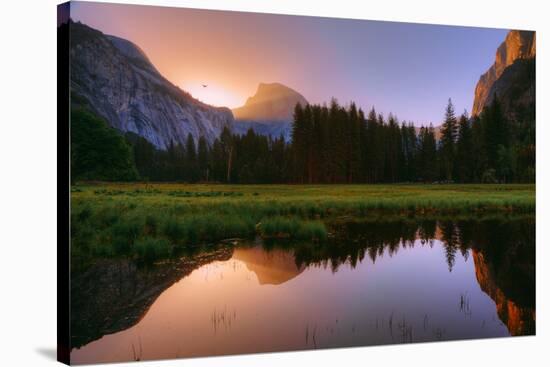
451,281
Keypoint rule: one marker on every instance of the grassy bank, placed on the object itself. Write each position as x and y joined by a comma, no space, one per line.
149,221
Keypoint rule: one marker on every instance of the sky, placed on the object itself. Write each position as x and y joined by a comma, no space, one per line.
406,69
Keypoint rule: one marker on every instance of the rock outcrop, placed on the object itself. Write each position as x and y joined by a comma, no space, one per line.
511,77
114,78
272,102
269,112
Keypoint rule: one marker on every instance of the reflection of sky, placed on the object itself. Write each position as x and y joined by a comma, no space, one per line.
350,307
408,69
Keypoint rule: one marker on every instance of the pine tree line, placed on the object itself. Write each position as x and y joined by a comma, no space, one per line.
339,144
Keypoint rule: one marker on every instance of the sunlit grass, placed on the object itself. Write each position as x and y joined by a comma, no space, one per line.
129,219
292,228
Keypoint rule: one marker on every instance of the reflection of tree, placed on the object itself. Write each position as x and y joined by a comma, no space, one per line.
450,239
465,233
457,236
426,230
373,251
355,240
506,246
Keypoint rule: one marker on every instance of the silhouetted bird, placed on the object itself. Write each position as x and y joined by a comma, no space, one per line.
205,85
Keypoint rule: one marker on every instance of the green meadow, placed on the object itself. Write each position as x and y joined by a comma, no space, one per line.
152,221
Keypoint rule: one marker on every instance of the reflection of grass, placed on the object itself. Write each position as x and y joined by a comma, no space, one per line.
130,219
292,227
150,249
137,354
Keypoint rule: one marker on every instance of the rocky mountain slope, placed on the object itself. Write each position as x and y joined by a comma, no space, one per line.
511,77
269,112
113,295
114,78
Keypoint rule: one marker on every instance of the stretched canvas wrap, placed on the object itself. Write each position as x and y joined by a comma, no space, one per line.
236,182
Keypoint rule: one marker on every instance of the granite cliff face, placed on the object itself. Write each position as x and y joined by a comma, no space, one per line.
115,79
511,77
269,112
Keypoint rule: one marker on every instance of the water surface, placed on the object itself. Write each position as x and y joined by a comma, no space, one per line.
425,282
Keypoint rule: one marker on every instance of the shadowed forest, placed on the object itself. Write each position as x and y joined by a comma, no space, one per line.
330,144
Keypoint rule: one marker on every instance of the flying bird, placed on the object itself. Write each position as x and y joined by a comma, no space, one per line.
205,85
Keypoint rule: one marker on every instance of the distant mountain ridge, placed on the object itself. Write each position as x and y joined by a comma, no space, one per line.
437,131
115,79
274,129
511,77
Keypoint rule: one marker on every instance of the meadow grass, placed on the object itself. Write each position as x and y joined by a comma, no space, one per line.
292,228
149,221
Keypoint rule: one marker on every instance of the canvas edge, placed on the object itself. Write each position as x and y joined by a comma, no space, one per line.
63,185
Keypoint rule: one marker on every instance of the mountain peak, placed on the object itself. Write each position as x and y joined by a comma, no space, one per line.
115,79
274,88
271,102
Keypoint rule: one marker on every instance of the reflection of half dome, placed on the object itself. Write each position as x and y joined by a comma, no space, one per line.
271,267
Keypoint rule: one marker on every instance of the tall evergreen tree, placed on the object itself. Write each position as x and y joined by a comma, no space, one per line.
464,155
394,149
353,143
497,140
299,142
428,169
372,148
448,139
479,152
409,155
217,162
324,145
203,161
98,152
191,159
227,150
